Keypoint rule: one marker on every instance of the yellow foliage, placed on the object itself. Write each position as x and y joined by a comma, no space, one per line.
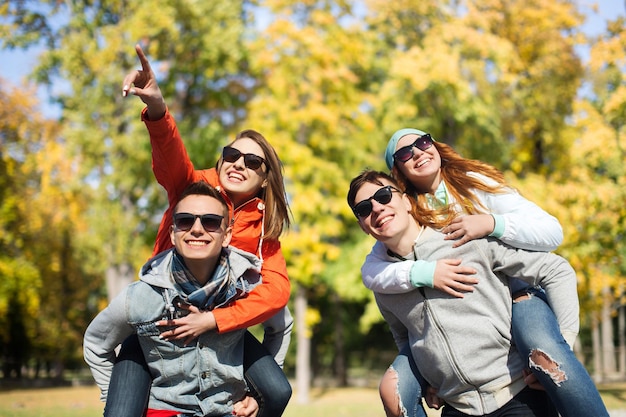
311,319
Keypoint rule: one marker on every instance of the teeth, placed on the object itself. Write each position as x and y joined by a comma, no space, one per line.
235,176
196,242
423,162
384,220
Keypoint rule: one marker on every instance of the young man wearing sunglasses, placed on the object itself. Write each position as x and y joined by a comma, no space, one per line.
462,346
200,376
249,174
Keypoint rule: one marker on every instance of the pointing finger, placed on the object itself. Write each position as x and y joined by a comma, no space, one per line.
145,64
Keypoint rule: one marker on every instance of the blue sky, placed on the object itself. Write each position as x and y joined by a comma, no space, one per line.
16,65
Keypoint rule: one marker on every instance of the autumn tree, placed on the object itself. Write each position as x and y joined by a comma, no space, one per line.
46,280
87,49
311,103
594,200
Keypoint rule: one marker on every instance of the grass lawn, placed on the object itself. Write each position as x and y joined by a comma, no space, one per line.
362,402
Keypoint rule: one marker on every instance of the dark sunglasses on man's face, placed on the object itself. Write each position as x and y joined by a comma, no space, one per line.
406,152
250,160
210,222
383,196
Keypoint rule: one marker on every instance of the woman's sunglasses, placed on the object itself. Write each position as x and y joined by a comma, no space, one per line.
251,160
210,222
383,196
406,152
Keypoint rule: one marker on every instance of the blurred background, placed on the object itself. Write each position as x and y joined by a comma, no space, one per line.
535,87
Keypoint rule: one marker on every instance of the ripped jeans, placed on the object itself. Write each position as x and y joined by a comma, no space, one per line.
537,336
538,339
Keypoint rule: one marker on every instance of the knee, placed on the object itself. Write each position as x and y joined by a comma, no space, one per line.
388,390
282,394
273,402
540,361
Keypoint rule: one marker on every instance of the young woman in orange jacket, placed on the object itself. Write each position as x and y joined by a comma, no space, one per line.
249,176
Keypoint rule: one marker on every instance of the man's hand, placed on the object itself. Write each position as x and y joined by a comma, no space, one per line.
470,227
142,83
454,279
248,407
431,398
189,327
531,380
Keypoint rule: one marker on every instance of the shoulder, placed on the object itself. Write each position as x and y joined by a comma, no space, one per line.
241,260
482,178
209,175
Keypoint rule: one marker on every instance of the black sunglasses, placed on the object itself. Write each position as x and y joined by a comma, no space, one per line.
383,196
250,160
406,152
185,221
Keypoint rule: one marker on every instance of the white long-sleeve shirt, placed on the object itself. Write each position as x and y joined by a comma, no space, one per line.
519,223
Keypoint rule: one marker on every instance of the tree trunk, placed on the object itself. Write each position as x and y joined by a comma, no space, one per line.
303,351
597,348
621,339
609,369
117,278
340,360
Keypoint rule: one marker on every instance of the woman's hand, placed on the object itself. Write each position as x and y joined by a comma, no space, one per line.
189,327
470,227
142,83
248,407
454,279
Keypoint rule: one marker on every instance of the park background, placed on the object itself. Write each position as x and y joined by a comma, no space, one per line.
535,87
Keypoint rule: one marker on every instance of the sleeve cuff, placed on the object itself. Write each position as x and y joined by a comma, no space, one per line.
144,116
498,228
422,273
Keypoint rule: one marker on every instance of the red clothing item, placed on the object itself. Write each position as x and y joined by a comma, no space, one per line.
161,413
174,171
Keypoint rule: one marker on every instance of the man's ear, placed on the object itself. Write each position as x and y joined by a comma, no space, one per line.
172,234
407,202
228,235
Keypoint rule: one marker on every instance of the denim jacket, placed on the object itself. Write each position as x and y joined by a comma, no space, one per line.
203,378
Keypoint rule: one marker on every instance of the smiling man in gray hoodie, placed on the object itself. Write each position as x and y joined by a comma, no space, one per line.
463,346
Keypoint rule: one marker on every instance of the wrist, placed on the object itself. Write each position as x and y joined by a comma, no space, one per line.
156,110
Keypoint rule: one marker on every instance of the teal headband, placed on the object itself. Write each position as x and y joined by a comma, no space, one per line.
393,142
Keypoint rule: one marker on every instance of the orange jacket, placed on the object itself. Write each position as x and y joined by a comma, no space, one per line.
174,171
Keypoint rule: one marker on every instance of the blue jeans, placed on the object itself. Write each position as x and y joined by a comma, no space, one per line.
536,332
527,403
411,384
129,388
534,326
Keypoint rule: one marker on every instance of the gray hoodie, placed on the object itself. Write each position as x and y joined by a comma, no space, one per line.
462,346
